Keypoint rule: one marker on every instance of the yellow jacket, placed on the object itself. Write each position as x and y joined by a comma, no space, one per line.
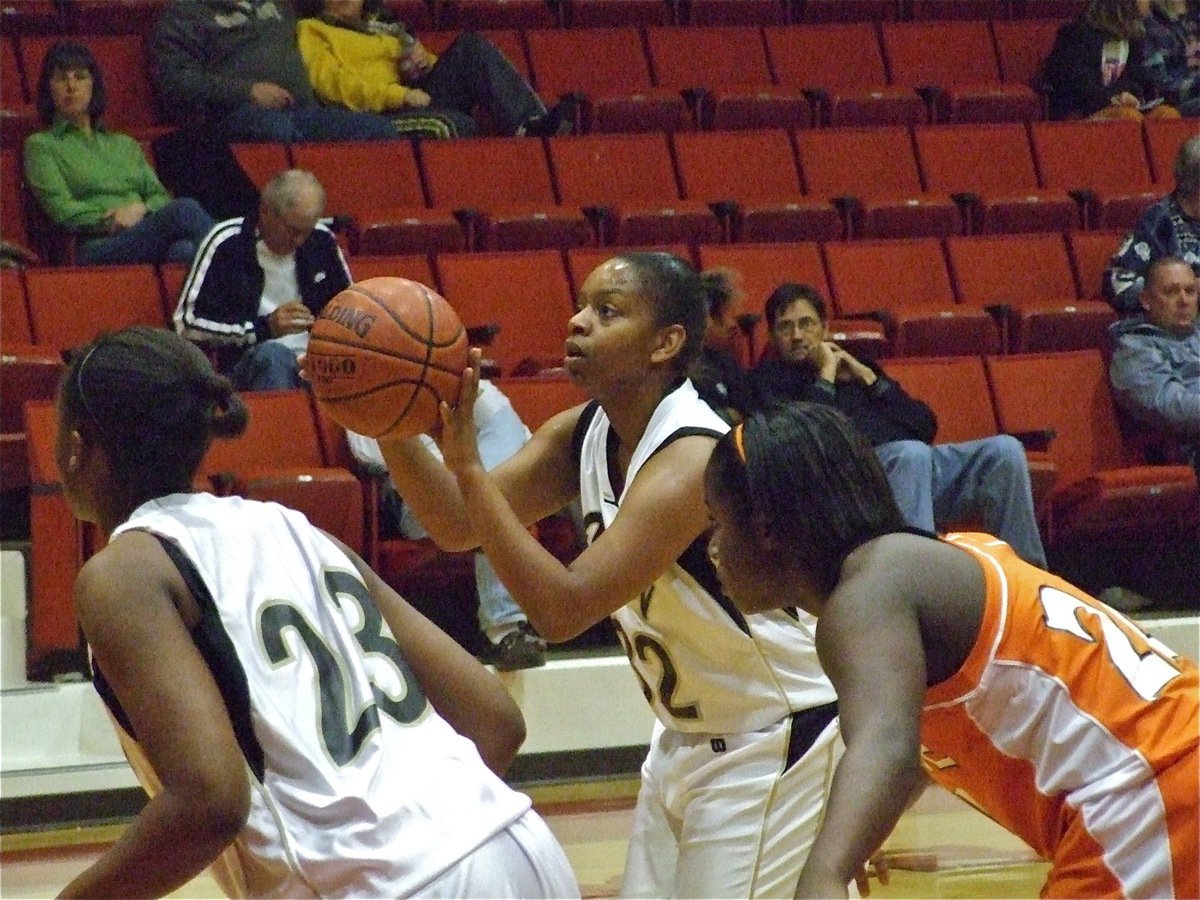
354,69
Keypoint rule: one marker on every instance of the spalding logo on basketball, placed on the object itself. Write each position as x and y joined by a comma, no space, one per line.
383,354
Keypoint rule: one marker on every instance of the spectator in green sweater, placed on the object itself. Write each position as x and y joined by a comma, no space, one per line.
98,183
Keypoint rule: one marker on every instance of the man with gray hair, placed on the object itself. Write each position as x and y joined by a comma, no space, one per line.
258,283
1171,227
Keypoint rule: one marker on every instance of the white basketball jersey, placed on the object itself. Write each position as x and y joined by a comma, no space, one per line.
358,787
704,666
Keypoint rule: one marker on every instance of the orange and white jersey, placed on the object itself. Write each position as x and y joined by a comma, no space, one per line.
1074,730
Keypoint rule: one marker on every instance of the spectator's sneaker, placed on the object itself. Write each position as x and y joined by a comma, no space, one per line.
556,121
521,648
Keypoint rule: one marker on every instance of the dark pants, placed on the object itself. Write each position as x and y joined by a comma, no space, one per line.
473,72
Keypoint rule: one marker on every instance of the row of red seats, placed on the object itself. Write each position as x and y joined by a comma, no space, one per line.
706,187
663,78
1090,484
924,296
292,454
90,17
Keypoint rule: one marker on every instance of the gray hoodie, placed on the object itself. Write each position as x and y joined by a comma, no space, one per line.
1155,375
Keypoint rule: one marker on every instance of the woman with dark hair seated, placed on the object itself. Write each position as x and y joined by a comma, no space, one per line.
98,183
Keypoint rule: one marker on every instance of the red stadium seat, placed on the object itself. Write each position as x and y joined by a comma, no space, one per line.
754,173
581,261
27,372
1164,137
122,59
261,162
414,267
1022,47
70,306
14,309
1091,252
991,168
1030,275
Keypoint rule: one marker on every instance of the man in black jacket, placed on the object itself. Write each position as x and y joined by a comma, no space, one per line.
259,281
932,483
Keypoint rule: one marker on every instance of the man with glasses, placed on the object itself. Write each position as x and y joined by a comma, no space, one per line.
259,281
934,484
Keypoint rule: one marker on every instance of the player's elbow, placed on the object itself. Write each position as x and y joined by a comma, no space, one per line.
220,807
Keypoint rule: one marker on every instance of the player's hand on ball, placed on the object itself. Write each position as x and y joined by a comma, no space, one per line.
456,436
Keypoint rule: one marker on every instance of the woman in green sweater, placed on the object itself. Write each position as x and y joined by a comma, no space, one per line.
97,183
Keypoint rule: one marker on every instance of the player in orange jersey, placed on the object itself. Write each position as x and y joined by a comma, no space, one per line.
1049,711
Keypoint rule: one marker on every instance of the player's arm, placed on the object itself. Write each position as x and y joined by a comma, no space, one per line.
536,481
466,694
869,644
126,599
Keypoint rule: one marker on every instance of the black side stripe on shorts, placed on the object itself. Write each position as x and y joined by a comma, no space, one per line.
807,725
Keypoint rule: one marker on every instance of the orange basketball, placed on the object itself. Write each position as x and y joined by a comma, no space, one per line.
382,355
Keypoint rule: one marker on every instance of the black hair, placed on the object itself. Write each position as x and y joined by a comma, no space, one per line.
152,401
65,56
809,480
678,295
787,294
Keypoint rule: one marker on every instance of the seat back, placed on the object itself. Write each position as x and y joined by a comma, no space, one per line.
984,157
866,276
582,261
14,309
584,167
1091,252
831,57
1010,268
526,293
540,398
13,224
70,306
588,60
122,60
14,89
1095,155
413,266
946,54
837,162
394,182
737,165
955,388
1022,47
261,162
1164,137
708,57
763,267
486,172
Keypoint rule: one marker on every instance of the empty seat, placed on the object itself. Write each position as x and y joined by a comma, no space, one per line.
122,59
956,62
280,458
414,267
14,309
627,182
1022,46
14,90
1030,275
1091,252
27,372
503,187
754,174
389,209
525,293
726,71
1102,164
1164,137
905,283
70,306
263,161
608,66
1101,491
990,168
840,68
873,174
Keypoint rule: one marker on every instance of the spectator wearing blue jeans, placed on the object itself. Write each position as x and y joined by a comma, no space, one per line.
932,483
512,642
236,65
97,184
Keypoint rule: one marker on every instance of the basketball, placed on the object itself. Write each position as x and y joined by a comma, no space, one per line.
383,354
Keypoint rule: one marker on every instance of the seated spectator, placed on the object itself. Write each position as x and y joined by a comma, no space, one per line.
933,483
259,282
235,65
361,57
1155,367
96,183
1170,227
1173,53
719,378
1096,67
511,641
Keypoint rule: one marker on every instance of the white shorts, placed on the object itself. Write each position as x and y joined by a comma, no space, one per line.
524,860
731,815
